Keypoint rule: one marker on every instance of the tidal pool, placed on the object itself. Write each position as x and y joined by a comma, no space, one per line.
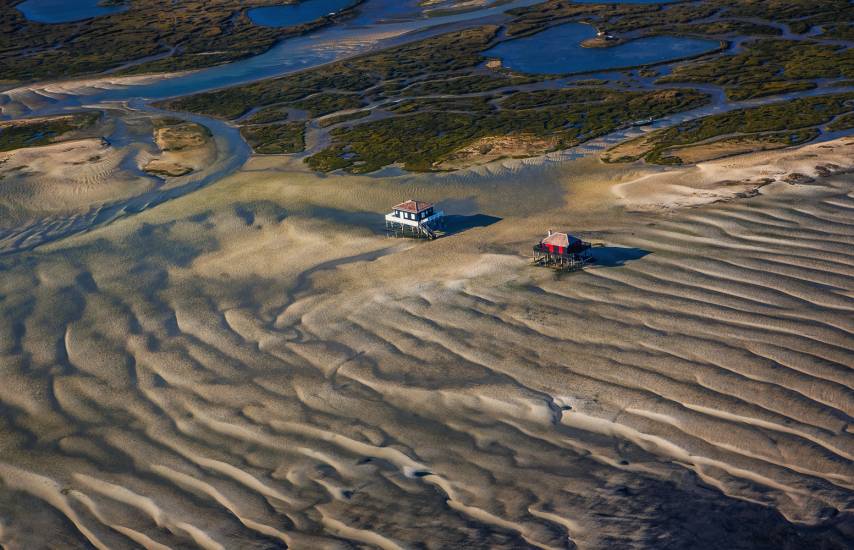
290,15
64,11
566,55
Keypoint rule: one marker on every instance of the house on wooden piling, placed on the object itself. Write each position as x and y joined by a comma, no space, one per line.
562,251
414,219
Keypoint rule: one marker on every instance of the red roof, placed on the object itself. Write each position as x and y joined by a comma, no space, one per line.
413,206
557,239
560,239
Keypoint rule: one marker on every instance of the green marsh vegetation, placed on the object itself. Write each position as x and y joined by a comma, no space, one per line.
799,15
769,67
792,122
437,97
441,54
763,89
314,106
269,139
345,84
467,84
725,28
423,129
276,113
203,33
43,131
422,139
326,103
844,122
346,117
466,105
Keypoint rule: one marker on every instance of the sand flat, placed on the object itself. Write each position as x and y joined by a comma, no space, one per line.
254,365
63,178
728,179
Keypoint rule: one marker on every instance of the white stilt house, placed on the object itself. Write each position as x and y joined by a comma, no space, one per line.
415,218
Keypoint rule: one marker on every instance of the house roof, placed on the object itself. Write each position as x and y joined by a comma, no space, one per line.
560,239
413,206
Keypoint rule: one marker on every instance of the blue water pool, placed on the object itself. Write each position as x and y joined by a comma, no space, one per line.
64,11
290,15
558,50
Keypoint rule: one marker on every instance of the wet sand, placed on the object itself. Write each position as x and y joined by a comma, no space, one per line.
255,365
62,179
50,192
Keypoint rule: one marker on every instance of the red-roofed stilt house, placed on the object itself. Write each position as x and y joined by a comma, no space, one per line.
562,251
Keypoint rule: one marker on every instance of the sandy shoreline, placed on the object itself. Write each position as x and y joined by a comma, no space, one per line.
735,177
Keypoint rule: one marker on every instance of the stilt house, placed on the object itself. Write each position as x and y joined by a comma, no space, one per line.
562,251
414,218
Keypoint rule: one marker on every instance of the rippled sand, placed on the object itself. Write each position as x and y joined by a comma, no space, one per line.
254,365
52,191
62,178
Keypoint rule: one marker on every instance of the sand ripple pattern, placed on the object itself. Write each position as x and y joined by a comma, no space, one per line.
699,396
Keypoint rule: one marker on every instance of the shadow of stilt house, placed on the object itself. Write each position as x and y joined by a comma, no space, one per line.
457,224
615,256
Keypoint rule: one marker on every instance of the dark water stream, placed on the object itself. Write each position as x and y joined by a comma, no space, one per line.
65,11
